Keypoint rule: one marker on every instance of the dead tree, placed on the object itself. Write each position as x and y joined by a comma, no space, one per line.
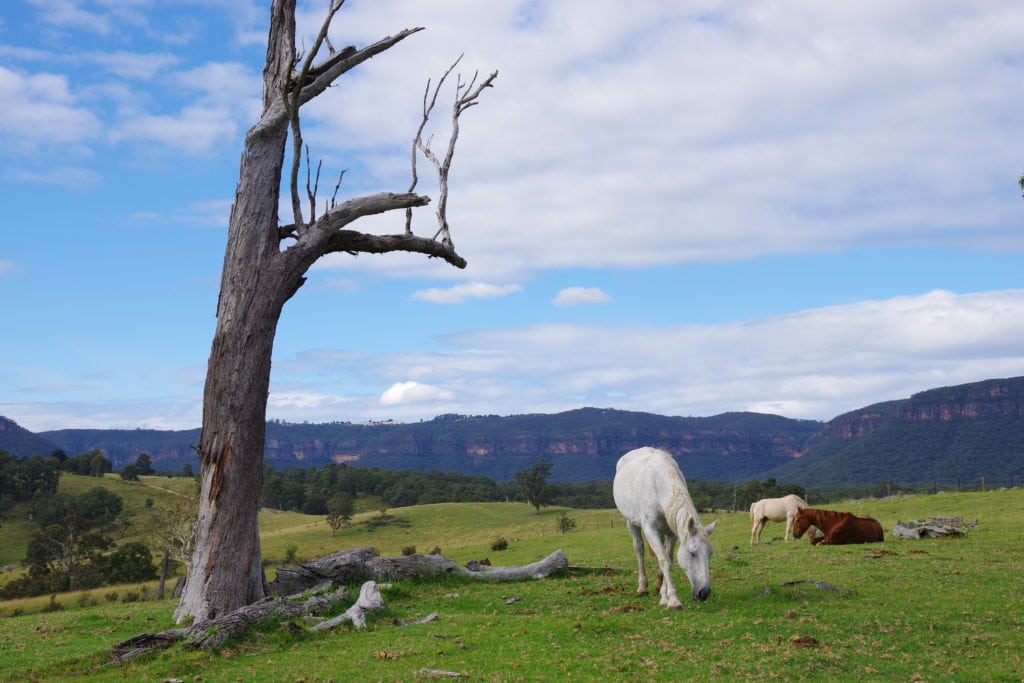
264,265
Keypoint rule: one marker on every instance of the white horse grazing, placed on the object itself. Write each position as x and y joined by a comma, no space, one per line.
777,510
651,494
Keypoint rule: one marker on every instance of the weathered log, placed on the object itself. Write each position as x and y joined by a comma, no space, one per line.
359,564
933,527
369,599
555,563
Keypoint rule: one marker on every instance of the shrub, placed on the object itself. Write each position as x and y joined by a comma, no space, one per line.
500,543
564,524
53,605
409,550
131,563
112,596
291,554
86,600
131,596
436,550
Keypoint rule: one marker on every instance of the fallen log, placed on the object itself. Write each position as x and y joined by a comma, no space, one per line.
360,564
315,586
934,527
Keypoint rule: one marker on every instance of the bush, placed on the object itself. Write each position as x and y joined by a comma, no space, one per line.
112,596
131,596
131,563
53,605
500,543
409,550
564,524
436,550
86,600
291,554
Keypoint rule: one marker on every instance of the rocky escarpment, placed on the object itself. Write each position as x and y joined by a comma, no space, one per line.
990,397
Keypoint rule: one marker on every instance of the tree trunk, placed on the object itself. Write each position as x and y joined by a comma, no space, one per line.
226,570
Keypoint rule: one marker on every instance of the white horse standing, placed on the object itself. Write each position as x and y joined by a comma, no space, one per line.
777,510
651,494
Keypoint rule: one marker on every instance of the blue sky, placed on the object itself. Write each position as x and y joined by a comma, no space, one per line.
684,208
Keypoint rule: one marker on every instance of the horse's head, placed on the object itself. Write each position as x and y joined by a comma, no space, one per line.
694,552
801,523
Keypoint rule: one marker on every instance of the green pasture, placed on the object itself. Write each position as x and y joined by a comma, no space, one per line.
908,610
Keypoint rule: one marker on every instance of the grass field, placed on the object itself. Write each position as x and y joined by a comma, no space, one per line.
929,610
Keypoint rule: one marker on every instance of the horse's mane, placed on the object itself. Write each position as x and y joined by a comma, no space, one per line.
825,516
681,509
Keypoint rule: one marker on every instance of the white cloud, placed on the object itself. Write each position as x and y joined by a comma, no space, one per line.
41,110
405,393
195,130
461,293
662,133
67,176
6,267
69,14
574,296
811,364
131,65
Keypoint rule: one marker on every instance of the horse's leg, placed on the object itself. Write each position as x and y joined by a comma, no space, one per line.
837,534
756,530
669,541
658,546
638,548
789,525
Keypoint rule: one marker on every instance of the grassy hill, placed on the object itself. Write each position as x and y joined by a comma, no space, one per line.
939,609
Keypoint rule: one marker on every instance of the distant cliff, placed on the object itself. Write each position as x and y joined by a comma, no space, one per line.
948,435
991,397
582,444
945,435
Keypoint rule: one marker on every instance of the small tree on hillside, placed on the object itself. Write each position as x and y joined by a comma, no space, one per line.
534,484
565,523
174,527
340,508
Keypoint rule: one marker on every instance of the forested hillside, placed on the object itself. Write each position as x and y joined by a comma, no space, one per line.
944,436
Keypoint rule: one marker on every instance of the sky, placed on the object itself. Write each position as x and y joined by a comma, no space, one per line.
684,208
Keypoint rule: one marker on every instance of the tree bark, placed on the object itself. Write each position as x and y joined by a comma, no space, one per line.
258,277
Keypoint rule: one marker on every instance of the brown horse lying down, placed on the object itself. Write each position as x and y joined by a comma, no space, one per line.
840,528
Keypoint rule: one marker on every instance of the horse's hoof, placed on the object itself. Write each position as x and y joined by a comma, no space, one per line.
674,607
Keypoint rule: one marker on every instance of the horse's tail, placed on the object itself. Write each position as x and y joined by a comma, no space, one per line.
752,506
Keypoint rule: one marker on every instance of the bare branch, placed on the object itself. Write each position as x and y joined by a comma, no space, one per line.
311,192
417,141
466,96
290,98
334,197
319,78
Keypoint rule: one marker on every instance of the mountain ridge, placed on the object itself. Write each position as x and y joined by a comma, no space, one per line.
945,434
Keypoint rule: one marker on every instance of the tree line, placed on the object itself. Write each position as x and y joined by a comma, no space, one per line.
311,490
